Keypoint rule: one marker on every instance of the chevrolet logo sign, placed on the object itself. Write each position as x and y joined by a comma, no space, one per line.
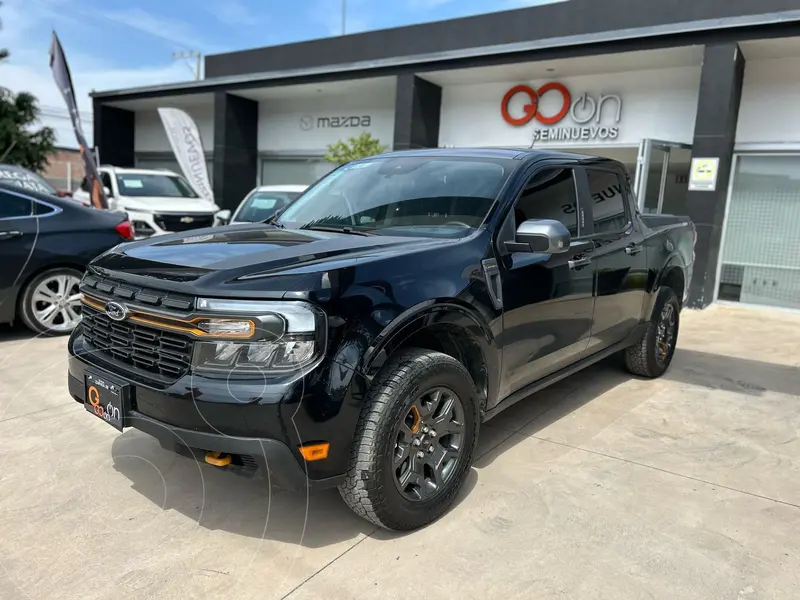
187,219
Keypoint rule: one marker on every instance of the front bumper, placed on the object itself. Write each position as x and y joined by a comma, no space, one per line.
195,415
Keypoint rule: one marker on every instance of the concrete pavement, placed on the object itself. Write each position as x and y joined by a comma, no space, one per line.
603,486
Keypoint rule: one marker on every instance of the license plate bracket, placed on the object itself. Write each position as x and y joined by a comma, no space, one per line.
107,399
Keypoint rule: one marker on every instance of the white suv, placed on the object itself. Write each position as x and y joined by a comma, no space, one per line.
157,201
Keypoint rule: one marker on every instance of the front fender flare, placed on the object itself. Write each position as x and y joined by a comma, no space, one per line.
427,314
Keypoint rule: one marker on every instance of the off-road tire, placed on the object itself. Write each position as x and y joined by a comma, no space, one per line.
370,490
640,359
25,307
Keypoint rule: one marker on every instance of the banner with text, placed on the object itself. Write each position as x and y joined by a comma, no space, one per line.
58,64
188,148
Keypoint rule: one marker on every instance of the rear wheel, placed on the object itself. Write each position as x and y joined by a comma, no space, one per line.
414,441
50,303
652,354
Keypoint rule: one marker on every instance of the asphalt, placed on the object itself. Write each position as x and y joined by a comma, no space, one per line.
603,486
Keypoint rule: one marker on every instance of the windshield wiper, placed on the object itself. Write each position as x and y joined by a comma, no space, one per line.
273,220
334,229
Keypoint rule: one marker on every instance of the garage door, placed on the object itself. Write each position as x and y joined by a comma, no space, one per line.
293,171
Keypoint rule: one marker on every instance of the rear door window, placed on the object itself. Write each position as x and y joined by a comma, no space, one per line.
607,193
13,206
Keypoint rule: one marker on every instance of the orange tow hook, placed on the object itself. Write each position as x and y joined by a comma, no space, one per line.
218,459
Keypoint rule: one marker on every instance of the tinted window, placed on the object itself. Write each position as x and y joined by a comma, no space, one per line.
40,209
262,205
163,186
550,194
12,205
607,191
410,195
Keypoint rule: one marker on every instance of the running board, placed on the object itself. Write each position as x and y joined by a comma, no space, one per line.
544,382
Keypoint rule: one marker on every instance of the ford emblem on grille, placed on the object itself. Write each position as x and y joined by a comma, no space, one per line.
187,219
116,311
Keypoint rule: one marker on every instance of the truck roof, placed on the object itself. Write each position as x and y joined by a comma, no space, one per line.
513,153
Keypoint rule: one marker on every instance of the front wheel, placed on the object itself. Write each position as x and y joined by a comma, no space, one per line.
51,302
414,441
652,354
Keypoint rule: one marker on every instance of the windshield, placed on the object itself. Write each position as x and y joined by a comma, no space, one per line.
149,184
260,206
407,195
22,178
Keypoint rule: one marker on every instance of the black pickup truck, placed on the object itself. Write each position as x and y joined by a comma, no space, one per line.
362,337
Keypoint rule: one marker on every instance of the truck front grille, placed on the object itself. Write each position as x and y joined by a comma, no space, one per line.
146,349
171,222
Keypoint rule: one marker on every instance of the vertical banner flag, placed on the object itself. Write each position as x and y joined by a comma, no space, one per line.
188,148
58,64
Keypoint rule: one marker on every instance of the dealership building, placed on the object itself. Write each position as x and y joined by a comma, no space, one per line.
700,99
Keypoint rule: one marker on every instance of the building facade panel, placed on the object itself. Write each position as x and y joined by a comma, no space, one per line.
150,136
309,125
617,109
769,117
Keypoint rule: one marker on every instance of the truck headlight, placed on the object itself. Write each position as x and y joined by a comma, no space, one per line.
288,336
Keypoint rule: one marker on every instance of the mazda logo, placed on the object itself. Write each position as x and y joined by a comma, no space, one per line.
306,123
116,311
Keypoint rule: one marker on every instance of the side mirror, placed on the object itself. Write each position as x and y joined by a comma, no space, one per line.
542,235
222,217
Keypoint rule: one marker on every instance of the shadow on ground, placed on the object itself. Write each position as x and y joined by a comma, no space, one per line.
14,333
733,374
219,500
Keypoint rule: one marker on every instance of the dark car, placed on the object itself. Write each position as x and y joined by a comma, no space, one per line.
25,179
46,243
393,308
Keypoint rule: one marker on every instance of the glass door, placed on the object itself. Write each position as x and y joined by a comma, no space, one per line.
662,176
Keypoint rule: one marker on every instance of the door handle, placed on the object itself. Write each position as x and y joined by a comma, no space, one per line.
4,235
579,263
633,249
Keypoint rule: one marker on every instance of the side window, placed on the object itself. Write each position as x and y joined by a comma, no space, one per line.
12,205
549,194
106,179
608,195
40,209
85,184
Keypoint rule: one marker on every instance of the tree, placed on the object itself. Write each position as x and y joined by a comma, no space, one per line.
354,148
20,143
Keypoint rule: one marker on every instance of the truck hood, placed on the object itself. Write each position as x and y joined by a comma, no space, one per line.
157,204
250,257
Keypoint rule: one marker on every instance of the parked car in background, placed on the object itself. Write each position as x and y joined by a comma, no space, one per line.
385,315
262,203
45,244
158,201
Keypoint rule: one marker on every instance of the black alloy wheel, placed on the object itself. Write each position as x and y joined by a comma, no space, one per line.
428,443
652,354
665,334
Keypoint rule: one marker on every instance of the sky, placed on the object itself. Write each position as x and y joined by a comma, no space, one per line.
114,44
